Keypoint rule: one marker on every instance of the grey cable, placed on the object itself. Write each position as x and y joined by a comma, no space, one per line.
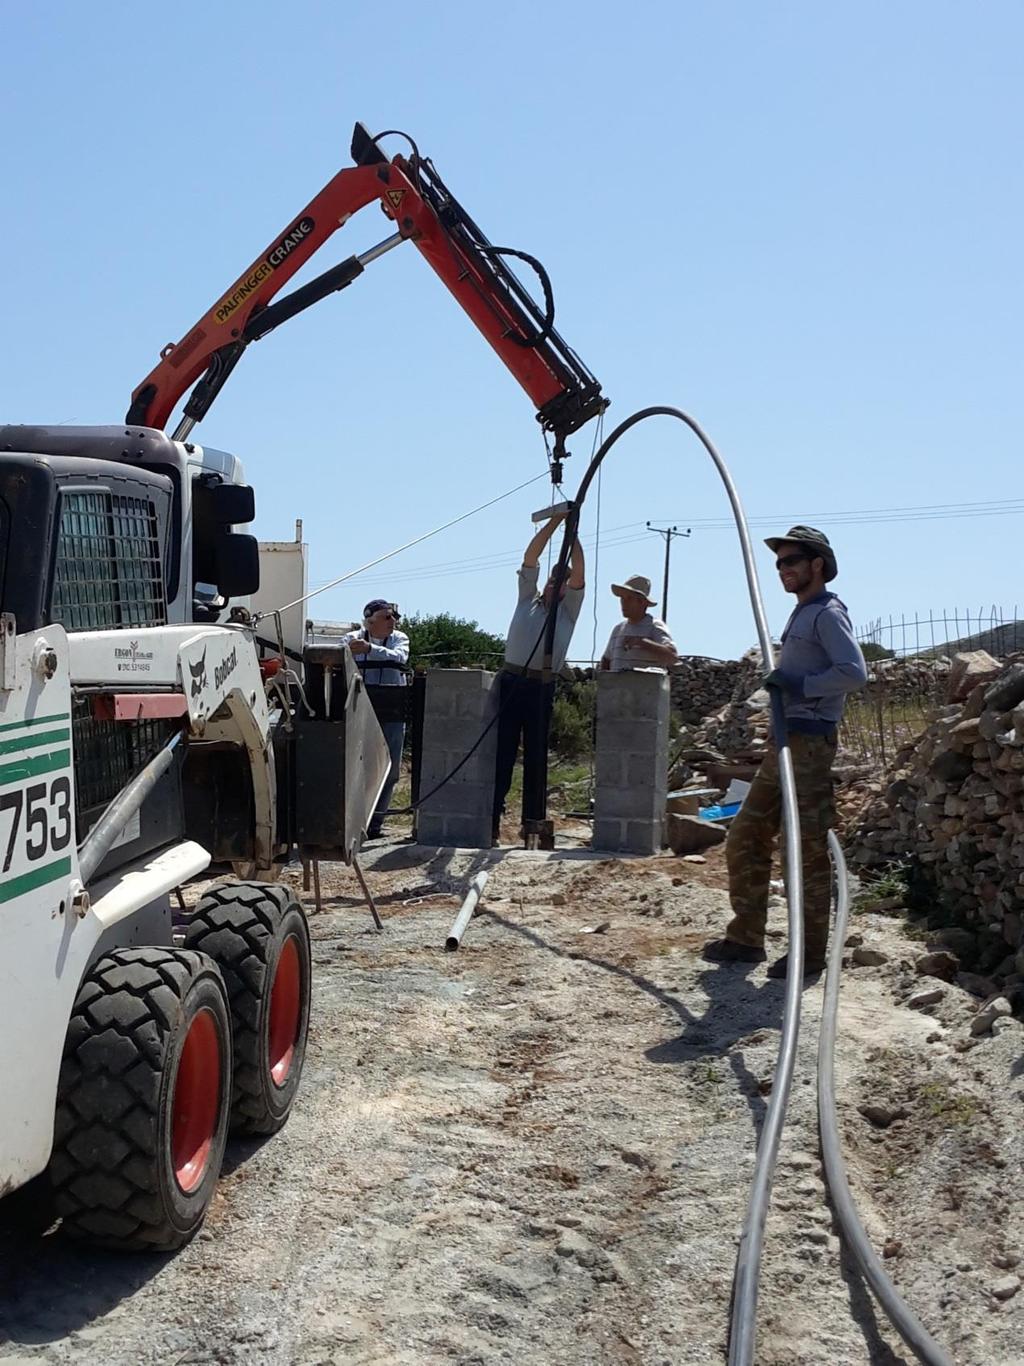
902,1317
743,1327
101,838
743,1330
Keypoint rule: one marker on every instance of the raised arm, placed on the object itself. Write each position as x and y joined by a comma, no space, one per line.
533,552
577,567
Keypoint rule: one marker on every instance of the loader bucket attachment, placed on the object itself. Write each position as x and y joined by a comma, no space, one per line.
341,758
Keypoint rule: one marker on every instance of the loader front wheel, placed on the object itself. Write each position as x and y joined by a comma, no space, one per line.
258,937
143,1100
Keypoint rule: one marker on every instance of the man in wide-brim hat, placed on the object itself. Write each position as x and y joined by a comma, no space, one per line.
639,641
820,662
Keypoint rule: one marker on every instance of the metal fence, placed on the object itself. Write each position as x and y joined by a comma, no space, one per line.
945,632
878,722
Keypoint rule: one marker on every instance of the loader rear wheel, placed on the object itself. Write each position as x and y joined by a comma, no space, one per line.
258,937
143,1100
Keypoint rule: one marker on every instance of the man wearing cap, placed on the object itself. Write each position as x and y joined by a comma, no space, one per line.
381,652
639,641
820,662
524,698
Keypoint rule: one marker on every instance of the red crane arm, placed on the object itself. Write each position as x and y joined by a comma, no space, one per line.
423,211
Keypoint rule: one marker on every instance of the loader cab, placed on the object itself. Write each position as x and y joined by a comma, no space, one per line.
120,527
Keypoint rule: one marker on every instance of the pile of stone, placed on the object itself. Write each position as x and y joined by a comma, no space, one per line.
737,727
954,805
701,686
908,680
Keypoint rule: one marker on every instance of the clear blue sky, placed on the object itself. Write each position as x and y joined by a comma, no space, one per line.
801,222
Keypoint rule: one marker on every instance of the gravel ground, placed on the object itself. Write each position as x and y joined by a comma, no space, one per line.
539,1149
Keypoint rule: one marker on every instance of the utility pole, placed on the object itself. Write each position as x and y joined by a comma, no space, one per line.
667,532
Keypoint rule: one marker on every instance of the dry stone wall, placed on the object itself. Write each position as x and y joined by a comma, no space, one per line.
954,807
701,686
737,722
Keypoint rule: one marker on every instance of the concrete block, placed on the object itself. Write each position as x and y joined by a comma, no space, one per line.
453,732
648,770
632,696
463,831
453,797
471,707
631,762
608,834
430,828
627,736
449,682
629,803
609,768
644,837
457,707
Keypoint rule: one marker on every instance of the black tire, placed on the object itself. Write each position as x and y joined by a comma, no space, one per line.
258,937
143,1100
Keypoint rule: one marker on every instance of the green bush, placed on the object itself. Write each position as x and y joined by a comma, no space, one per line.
442,641
572,719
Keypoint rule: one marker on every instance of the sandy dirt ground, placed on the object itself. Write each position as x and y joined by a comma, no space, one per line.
538,1149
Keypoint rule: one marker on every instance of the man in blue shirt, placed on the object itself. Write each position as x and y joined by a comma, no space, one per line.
820,662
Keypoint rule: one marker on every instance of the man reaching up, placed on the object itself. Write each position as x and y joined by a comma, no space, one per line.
524,698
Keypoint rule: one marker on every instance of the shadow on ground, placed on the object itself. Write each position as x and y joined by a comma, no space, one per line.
51,1286
736,1010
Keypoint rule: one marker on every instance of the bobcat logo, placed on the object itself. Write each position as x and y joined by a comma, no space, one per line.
198,672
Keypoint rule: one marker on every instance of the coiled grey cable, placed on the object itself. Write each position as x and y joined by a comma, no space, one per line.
902,1317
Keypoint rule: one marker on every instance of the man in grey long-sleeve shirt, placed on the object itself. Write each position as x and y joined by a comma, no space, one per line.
820,662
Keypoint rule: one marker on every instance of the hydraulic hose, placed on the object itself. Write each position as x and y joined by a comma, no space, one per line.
743,1330
101,838
902,1317
743,1327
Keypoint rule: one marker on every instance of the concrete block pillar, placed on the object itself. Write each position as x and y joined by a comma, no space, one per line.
631,761
457,706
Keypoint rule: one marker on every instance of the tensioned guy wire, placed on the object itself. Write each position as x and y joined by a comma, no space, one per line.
398,549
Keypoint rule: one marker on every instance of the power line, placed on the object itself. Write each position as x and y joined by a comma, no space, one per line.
354,573
505,559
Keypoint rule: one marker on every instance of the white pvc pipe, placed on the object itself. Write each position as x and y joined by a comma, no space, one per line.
465,915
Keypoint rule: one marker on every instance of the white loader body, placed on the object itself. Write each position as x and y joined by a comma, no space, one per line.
52,927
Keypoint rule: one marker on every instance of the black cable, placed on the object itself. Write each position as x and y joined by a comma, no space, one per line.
558,578
530,339
397,133
451,214
414,806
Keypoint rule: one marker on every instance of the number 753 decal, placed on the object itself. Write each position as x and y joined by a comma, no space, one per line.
41,822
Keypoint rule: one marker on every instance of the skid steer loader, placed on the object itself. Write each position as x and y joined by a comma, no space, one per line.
142,740
148,732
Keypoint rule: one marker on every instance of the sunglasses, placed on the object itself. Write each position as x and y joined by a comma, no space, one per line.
788,561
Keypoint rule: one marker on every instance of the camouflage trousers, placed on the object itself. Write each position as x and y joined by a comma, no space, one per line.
748,850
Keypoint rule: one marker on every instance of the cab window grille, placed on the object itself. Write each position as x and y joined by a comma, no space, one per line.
108,754
108,571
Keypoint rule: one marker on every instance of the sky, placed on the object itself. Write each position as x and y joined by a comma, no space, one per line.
801,223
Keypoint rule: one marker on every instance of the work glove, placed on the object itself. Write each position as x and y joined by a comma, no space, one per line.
785,682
